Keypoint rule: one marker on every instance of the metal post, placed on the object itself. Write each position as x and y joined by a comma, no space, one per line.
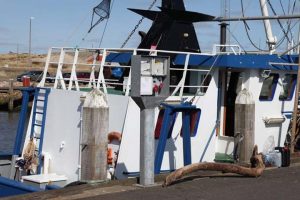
29,53
162,140
18,55
20,131
10,94
186,138
147,103
296,99
147,147
22,119
298,46
223,36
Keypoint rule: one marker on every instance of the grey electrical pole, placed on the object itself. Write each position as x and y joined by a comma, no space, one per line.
29,53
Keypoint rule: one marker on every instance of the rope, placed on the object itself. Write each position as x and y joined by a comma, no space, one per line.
75,29
246,29
112,5
283,37
29,155
282,6
231,30
236,40
282,29
137,26
203,81
97,24
290,27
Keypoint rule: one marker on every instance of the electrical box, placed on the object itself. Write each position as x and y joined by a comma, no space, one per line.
153,66
149,75
146,85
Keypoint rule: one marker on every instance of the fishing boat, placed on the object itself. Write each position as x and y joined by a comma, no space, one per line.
212,83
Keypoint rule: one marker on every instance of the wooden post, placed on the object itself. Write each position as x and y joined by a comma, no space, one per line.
95,123
10,95
244,125
296,99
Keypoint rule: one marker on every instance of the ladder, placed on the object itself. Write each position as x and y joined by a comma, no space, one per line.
38,121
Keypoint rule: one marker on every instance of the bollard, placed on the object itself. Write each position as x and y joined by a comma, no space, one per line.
244,126
95,122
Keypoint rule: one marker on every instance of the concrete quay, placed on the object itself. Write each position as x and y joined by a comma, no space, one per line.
275,183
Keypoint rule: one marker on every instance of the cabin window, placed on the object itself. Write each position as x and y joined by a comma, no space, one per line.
205,80
195,81
199,82
268,87
288,87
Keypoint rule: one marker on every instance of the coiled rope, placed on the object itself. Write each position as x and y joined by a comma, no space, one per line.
30,156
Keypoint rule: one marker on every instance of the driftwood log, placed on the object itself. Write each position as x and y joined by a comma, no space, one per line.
257,168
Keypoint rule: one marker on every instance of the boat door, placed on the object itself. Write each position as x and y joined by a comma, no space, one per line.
231,85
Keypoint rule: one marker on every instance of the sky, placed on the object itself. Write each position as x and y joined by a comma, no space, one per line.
66,22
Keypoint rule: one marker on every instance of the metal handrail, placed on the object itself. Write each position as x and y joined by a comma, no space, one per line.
101,82
230,46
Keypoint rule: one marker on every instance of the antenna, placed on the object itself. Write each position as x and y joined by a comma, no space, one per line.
223,25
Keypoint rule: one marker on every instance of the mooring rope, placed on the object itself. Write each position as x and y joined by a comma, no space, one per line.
29,155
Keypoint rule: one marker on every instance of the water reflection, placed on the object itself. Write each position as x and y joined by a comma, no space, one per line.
8,129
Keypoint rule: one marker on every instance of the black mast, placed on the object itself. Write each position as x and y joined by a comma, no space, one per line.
172,27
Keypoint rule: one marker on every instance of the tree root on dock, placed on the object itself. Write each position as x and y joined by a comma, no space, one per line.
257,168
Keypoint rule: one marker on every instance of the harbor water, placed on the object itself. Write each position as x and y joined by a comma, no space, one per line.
8,129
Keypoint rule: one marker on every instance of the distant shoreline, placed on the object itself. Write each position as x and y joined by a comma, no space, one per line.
13,64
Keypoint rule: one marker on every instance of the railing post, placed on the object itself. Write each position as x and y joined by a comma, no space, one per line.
22,119
186,64
101,76
92,76
186,118
73,72
129,79
42,82
59,76
20,130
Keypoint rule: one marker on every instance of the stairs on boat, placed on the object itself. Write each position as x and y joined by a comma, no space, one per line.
38,121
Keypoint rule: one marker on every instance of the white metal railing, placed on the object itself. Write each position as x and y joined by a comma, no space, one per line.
100,82
235,49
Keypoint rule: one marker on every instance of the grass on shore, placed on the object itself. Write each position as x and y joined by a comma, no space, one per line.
13,64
